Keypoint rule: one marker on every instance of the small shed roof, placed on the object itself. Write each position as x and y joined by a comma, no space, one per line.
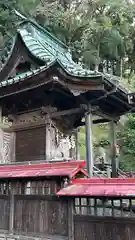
65,169
100,188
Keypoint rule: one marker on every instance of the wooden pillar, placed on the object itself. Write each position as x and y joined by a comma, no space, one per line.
113,148
89,144
77,145
11,208
70,219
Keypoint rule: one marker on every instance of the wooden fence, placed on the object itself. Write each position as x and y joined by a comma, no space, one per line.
40,214
34,215
107,219
46,214
96,228
4,212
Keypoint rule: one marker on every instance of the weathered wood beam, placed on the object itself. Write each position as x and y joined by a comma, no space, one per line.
97,121
71,219
41,117
100,120
62,91
126,104
66,112
102,114
11,208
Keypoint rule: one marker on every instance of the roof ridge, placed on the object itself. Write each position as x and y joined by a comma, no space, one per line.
43,29
25,19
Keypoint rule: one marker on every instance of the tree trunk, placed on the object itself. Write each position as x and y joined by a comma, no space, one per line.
98,58
113,68
118,68
121,68
107,65
65,4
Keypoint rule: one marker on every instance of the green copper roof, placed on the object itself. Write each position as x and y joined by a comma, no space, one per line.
47,48
22,76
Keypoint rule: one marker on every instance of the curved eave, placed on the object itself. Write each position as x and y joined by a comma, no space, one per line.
86,88
22,77
43,76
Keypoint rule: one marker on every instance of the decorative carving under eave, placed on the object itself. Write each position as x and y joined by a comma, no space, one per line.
7,147
59,145
6,124
26,120
41,117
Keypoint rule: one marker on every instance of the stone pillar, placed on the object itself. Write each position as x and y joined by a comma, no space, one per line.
48,142
113,148
89,144
77,144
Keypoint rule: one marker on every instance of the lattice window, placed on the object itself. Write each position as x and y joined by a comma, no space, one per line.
4,188
36,187
46,188
28,188
19,187
105,207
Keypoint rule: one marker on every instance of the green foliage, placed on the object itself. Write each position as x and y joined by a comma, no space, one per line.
126,136
100,138
7,20
99,32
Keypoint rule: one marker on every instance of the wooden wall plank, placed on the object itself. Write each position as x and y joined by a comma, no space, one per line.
107,228
41,215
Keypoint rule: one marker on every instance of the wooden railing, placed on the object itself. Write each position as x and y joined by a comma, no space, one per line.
105,218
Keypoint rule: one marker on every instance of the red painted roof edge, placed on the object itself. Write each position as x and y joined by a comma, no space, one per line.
98,190
78,163
100,187
104,181
77,170
107,195
70,170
